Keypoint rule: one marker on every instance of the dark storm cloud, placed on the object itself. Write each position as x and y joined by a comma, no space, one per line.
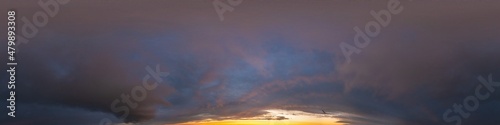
265,55
65,72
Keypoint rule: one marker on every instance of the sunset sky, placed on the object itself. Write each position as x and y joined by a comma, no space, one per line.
268,62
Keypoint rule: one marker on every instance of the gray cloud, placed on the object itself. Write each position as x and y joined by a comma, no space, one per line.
265,55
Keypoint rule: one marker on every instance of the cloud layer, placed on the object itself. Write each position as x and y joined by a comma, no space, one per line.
264,55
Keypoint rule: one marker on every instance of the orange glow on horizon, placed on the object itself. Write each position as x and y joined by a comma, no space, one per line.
294,118
259,122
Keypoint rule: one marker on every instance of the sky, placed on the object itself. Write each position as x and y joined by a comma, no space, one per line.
268,62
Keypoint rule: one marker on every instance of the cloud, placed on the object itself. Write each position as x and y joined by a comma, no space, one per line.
265,55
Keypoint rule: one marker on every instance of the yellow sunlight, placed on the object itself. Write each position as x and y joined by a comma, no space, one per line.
293,118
